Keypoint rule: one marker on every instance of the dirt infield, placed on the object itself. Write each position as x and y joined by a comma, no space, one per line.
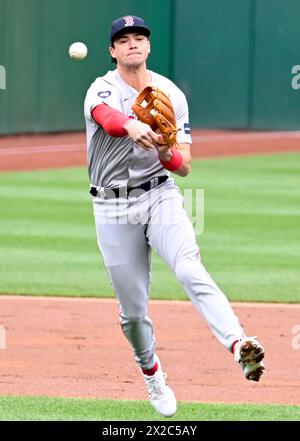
75,348
69,149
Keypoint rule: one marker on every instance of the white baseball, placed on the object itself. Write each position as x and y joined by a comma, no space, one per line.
78,50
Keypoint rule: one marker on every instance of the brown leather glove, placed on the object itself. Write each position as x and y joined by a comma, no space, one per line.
157,112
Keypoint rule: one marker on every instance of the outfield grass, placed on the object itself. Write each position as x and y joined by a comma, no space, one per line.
250,243
66,409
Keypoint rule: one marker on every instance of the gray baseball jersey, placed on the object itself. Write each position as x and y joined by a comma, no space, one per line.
113,161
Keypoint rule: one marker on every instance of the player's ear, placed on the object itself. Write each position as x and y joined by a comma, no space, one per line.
149,47
112,52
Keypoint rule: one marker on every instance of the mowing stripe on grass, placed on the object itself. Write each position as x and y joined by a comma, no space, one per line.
71,409
249,244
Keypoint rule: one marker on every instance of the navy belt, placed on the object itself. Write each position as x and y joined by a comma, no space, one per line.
118,192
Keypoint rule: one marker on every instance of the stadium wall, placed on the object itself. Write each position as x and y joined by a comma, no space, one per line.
232,58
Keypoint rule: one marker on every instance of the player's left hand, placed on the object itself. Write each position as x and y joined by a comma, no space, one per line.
158,113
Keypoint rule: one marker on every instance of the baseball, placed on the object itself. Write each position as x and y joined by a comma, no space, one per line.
78,51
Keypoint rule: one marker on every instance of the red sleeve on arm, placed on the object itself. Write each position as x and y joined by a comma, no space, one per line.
110,119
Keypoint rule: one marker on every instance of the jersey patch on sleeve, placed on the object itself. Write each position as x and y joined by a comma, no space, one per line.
186,128
104,94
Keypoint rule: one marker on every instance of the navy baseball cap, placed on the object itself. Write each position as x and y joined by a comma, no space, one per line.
128,23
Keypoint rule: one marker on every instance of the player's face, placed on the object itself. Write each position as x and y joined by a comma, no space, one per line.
131,49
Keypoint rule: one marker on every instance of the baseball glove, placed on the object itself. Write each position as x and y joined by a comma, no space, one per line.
153,107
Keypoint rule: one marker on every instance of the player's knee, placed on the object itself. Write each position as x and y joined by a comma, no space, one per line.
133,313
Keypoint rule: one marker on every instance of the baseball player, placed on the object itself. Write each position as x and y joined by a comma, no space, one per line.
137,206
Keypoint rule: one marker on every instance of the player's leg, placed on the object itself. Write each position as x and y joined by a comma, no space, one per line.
173,237
126,256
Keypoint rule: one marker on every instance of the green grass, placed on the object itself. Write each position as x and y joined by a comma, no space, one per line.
250,242
43,408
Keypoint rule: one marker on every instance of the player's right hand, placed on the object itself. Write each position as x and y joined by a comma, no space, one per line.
141,134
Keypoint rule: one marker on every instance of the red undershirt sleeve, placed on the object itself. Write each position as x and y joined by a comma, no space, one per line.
110,119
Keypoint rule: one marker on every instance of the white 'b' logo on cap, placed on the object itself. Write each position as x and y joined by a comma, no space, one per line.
129,21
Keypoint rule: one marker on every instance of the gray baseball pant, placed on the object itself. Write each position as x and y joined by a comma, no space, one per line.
127,229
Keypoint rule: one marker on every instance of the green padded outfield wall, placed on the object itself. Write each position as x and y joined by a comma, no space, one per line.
233,59
45,88
211,60
276,104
